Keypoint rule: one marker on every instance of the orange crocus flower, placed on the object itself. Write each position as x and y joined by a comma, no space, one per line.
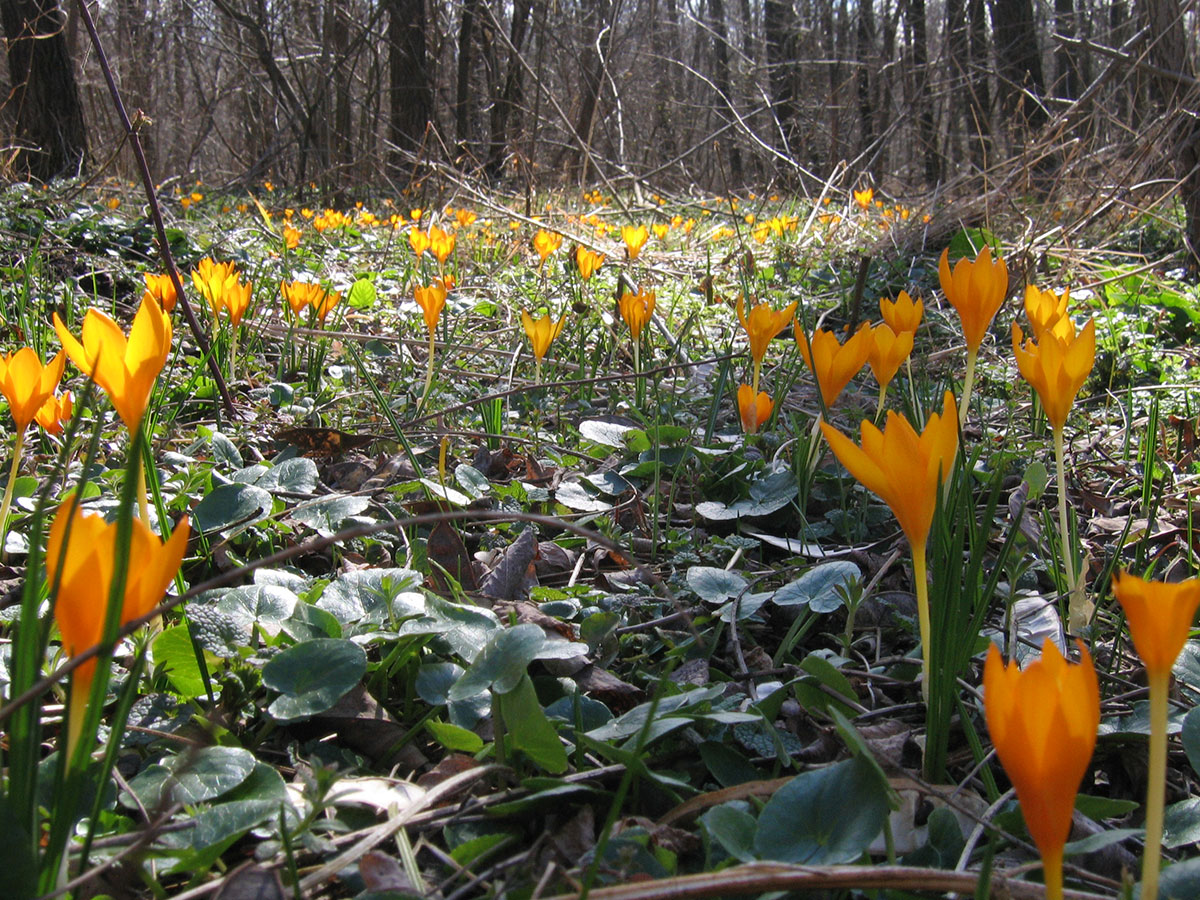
976,289
863,198
886,352
903,313
588,261
762,325
80,566
27,384
754,409
545,243
1043,723
55,412
1056,366
634,238
541,332
431,299
162,289
1044,309
636,310
441,244
291,237
418,240
124,368
834,364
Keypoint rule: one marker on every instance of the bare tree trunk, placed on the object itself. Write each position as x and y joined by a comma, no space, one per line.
1066,60
1174,83
462,93
45,99
914,12
508,103
720,45
1019,63
867,64
979,66
411,92
779,27
595,57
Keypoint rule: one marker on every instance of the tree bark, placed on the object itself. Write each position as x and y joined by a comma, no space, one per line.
779,27
409,82
462,88
48,115
507,104
914,13
720,46
1019,62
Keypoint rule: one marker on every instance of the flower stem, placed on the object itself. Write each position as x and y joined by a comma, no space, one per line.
428,372
1156,783
18,446
1052,874
882,396
922,588
143,502
968,383
1077,611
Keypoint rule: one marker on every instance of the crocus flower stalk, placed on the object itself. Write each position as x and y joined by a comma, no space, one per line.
976,289
81,556
1043,723
431,299
1056,366
26,385
754,408
905,470
833,364
636,310
125,369
1159,616
541,333
885,353
762,325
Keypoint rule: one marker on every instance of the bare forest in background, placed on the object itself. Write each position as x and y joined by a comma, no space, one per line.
354,95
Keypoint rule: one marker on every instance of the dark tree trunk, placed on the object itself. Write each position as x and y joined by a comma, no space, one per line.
720,40
508,102
1168,48
865,57
779,27
1066,60
599,15
914,13
411,94
462,92
1019,62
981,94
45,99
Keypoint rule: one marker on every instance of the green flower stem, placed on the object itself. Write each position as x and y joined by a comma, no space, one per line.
1156,784
754,378
1077,611
428,372
968,383
143,501
882,396
18,446
922,588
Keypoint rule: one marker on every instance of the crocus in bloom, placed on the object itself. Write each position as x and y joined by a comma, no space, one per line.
541,332
660,230
419,241
1057,366
299,294
56,412
27,385
976,289
634,238
124,368
431,299
863,198
636,310
1043,723
209,278
291,237
1044,309
162,289
588,261
905,470
81,564
545,243
1160,616
441,244
762,325
903,313
833,364
753,408
887,351
464,217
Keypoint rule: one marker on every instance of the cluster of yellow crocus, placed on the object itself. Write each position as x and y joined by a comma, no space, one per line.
301,295
221,287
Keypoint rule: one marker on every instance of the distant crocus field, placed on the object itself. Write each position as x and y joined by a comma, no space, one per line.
604,546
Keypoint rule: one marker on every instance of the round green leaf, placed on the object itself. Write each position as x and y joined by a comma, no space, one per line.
818,587
825,817
174,654
313,676
715,585
229,505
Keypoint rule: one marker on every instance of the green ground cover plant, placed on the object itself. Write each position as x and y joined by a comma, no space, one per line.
456,551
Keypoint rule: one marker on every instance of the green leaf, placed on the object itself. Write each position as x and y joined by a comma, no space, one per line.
1189,734
715,585
192,777
767,495
308,622
502,663
609,433
1178,881
466,629
266,606
454,738
733,828
529,729
16,854
231,505
313,676
574,496
825,817
325,514
967,242
434,681
373,596
726,765
1181,823
216,631
362,294
818,587
173,653
297,475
